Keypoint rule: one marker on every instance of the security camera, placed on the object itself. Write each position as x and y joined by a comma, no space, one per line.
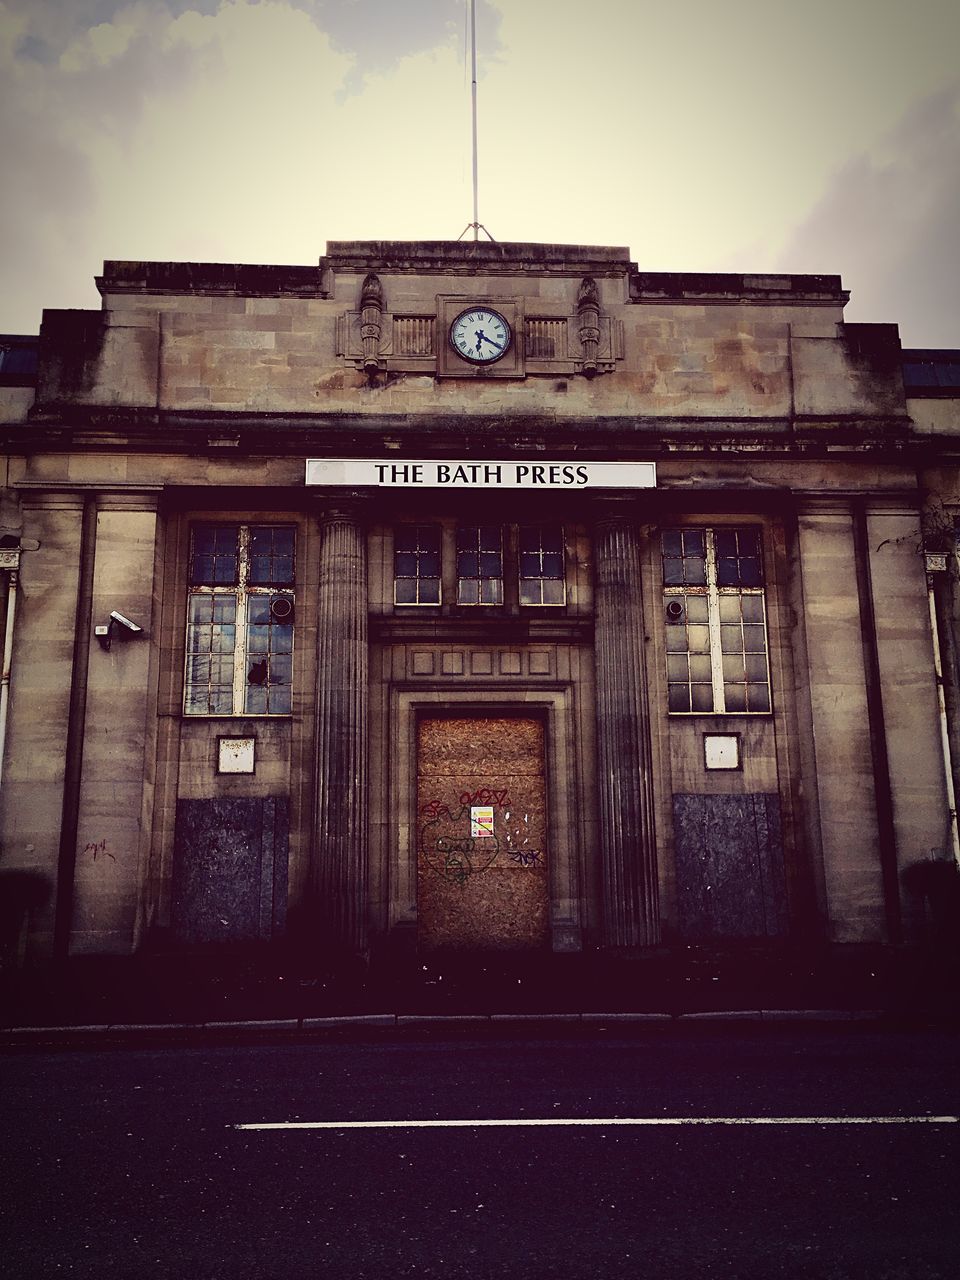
118,625
125,623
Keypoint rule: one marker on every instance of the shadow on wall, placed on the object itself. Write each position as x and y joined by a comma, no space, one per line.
935,884
21,892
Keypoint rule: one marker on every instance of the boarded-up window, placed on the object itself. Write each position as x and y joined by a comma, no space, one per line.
729,865
230,869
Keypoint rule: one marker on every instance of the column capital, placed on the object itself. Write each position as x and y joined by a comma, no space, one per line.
619,509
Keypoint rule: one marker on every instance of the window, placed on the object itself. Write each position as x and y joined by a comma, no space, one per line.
716,634
479,564
507,566
416,564
540,548
240,620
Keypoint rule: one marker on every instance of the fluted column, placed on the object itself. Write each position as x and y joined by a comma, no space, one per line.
627,839
340,853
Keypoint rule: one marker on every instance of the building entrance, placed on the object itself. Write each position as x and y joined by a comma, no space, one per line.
482,854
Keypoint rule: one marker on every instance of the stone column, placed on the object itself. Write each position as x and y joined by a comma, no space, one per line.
339,873
840,788
627,840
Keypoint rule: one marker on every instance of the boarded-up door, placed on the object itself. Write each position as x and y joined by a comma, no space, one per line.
482,833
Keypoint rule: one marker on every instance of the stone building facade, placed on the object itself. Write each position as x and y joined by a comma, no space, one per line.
474,596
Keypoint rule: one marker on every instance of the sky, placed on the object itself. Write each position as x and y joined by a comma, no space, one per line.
709,135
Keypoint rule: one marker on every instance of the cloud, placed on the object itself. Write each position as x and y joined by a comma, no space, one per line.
220,135
889,222
255,130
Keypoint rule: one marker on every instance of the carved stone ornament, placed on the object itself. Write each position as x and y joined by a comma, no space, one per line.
371,323
588,315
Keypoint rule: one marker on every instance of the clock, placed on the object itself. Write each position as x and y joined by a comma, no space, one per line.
480,335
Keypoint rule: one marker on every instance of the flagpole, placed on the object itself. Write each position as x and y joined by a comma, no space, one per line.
473,91
475,226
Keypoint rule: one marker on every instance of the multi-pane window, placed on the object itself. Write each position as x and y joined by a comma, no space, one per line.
479,564
540,550
240,620
485,559
716,634
416,564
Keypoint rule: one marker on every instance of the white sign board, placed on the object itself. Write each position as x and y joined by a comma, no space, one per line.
721,750
430,473
235,755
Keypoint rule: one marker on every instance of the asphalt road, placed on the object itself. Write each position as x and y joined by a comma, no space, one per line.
127,1162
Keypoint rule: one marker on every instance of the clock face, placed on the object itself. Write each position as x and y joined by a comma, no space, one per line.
480,335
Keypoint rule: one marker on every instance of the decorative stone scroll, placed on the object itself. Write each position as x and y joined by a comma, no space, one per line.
588,315
371,323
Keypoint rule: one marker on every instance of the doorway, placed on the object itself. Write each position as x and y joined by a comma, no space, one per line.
482,855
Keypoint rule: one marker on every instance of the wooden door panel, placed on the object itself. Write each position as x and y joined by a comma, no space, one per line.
482,835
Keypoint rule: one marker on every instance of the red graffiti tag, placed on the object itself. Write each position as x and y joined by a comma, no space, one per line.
436,809
499,799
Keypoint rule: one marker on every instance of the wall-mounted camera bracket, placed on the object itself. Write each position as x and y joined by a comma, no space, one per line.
119,625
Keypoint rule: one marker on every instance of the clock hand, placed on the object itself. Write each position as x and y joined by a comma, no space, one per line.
482,337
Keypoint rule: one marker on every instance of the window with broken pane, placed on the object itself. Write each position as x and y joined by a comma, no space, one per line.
240,616
715,618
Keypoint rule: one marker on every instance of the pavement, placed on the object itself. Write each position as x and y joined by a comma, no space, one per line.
261,992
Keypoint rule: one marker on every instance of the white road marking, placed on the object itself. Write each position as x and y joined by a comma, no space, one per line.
595,1122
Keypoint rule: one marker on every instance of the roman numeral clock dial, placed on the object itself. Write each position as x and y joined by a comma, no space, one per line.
480,335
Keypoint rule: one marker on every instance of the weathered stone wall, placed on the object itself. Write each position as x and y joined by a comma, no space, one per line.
34,768
277,355
115,803
197,393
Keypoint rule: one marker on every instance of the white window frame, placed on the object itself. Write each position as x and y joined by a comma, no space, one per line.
713,592
541,578
241,592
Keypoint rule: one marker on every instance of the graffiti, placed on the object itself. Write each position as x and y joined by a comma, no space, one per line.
484,795
459,843
98,850
452,855
458,860
527,857
455,860
435,809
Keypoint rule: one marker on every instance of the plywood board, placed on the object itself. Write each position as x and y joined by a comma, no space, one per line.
729,859
479,890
